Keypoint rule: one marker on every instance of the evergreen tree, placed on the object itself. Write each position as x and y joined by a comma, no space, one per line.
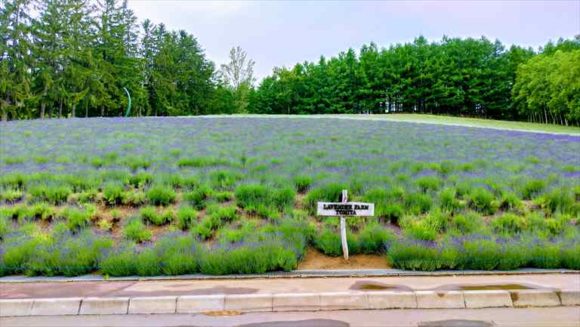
15,42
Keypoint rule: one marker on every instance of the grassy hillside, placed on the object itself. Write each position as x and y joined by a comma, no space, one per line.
153,196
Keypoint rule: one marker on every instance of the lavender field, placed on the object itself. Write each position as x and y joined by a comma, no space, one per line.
154,196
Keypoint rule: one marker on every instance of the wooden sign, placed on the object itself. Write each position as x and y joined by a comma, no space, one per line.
348,209
345,209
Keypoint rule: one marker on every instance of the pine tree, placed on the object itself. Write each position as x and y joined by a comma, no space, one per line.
15,39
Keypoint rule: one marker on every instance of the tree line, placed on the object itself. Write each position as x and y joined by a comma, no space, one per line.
81,58
467,77
84,58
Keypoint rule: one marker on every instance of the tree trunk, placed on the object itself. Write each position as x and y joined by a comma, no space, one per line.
86,110
74,111
60,109
4,115
102,111
42,109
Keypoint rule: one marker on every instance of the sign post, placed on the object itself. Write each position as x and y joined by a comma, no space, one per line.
343,227
345,209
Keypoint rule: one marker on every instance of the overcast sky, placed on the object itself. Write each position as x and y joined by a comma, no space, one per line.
279,33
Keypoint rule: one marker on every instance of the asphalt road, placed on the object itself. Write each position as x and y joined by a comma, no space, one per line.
548,317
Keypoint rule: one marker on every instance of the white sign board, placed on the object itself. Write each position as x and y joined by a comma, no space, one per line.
338,209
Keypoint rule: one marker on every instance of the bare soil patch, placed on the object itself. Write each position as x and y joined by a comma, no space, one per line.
314,259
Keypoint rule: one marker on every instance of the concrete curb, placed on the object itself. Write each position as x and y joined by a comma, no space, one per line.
153,304
535,298
353,300
339,273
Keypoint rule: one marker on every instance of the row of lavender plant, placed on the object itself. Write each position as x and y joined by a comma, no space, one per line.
219,179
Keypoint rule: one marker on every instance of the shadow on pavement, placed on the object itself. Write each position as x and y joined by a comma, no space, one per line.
300,323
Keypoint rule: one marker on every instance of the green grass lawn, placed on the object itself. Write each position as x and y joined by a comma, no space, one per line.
476,122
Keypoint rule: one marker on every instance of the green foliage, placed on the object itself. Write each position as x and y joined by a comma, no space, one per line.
569,256
136,162
186,216
482,201
223,196
421,230
329,243
140,180
113,193
55,194
229,235
58,253
223,179
387,204
510,201
560,201
134,198
120,262
199,197
302,183
42,211
5,227
545,256
204,230
373,239
472,253
441,69
480,254
510,224
329,193
223,214
393,212
161,195
466,223
418,203
200,162
414,256
136,231
547,84
283,199
152,215
531,188
428,183
10,195
147,263
244,260
178,255
16,254
254,197
512,257
68,255
77,219
448,200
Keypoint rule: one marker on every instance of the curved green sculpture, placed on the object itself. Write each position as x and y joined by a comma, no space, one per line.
128,112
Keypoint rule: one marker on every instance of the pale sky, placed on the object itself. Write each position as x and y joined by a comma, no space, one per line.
282,33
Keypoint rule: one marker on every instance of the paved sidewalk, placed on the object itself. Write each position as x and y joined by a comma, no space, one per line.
278,285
